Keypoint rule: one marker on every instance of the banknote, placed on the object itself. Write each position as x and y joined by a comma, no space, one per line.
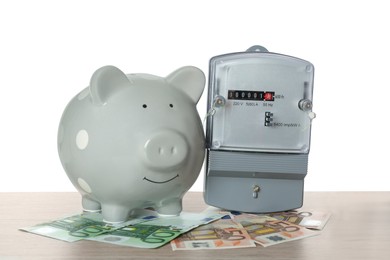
156,232
312,219
268,231
221,234
308,218
80,226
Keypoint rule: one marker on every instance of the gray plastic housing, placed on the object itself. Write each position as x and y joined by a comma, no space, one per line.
258,130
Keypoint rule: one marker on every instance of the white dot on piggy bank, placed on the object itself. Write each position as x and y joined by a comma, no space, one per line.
84,185
82,139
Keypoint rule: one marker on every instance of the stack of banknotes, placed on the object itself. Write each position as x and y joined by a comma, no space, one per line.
237,230
211,229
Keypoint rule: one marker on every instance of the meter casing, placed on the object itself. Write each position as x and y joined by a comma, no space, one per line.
258,130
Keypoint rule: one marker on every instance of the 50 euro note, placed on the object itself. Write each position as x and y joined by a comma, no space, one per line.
221,234
156,232
308,218
78,227
268,231
312,219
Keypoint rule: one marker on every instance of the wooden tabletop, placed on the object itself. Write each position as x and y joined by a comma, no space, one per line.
358,229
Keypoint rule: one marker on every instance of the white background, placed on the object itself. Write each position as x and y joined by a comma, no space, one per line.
49,50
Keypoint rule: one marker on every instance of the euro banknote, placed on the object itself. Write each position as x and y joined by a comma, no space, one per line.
268,231
156,232
312,219
308,218
221,234
80,226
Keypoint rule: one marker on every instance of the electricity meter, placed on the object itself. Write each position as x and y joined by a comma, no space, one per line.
258,130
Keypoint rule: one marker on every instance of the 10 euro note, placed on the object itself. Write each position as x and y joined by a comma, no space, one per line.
221,234
268,231
156,232
78,227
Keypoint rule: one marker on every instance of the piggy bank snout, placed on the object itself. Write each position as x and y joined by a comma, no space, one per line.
166,150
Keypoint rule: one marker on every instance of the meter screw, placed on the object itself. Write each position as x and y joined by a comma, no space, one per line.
219,101
305,105
256,190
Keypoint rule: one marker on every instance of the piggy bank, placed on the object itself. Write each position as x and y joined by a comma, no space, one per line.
133,141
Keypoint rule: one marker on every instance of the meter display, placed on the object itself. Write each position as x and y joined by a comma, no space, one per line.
251,95
258,130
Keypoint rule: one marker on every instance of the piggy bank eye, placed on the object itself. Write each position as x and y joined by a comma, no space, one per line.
144,106
170,105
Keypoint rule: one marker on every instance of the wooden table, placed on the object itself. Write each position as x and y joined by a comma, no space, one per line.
358,229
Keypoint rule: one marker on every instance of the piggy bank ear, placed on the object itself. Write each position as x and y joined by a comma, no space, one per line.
106,81
190,80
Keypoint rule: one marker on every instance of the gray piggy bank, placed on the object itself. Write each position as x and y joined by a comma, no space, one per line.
133,141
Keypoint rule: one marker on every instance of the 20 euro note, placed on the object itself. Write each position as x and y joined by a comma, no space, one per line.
268,231
221,234
78,227
156,232
309,218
